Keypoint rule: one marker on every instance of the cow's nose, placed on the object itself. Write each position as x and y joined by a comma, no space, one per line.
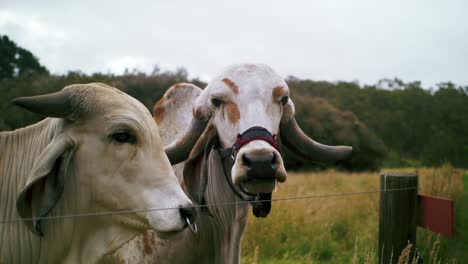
260,165
188,214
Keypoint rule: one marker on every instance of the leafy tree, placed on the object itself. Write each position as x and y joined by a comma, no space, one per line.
418,126
16,61
327,124
7,57
394,123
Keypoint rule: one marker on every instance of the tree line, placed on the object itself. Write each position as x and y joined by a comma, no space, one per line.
401,125
420,127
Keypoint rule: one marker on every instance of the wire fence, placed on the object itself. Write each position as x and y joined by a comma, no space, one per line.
7,221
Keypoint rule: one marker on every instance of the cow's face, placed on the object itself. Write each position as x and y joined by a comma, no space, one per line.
126,164
240,98
110,144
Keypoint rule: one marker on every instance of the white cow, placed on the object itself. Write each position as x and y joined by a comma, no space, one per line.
100,152
228,135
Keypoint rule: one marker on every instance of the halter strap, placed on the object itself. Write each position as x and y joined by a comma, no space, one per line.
251,134
228,157
227,164
258,201
255,133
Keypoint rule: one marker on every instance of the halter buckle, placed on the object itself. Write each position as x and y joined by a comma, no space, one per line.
233,153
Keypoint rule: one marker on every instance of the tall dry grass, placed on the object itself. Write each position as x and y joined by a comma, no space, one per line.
342,229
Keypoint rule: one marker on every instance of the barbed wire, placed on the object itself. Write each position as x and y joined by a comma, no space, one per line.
200,206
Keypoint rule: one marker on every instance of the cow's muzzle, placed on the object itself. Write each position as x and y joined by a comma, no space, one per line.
257,166
252,172
260,165
258,170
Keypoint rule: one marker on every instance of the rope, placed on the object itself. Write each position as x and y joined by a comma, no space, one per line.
200,206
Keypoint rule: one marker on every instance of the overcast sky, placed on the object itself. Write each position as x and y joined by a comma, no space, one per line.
322,40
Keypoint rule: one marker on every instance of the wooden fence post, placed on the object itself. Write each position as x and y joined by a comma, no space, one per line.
398,215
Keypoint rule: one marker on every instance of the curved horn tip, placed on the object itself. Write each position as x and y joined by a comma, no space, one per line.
24,102
337,153
54,105
295,139
347,150
19,101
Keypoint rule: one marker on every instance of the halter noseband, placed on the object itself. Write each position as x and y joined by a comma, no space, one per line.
251,134
260,209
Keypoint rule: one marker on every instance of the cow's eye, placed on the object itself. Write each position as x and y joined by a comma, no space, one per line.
284,100
216,102
124,137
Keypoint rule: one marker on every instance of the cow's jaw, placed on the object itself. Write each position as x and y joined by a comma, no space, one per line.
138,223
166,217
259,183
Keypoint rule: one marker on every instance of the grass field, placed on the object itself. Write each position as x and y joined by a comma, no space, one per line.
344,229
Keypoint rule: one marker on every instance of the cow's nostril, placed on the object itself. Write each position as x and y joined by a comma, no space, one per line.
188,213
260,162
246,160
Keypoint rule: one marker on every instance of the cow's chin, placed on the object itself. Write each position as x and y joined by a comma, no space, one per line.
259,185
171,234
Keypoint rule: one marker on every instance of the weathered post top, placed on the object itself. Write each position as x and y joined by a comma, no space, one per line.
398,215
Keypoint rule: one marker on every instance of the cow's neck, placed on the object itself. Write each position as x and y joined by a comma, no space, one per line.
72,239
227,222
19,152
219,229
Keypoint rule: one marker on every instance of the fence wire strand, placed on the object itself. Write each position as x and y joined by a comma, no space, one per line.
199,206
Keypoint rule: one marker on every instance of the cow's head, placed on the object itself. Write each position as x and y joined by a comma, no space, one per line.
244,97
106,151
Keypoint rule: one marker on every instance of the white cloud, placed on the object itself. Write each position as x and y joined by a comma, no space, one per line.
331,40
121,64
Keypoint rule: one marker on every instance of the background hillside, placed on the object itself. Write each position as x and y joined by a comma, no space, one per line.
392,123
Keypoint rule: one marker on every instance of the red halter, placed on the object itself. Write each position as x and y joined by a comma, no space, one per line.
251,134
261,202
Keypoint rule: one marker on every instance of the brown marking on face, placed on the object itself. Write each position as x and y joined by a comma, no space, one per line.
148,242
112,259
278,92
233,112
173,91
158,111
231,85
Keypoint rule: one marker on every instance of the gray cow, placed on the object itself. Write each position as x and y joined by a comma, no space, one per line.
101,153
227,136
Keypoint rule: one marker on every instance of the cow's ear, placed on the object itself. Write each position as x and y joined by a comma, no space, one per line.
180,119
45,183
195,178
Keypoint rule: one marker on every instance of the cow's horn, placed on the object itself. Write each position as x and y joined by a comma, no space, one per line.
296,140
54,105
179,150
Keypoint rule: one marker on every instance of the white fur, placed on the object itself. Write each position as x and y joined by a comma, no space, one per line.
256,105
102,176
220,232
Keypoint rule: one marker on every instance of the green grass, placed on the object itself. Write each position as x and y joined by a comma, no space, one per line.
455,249
344,229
